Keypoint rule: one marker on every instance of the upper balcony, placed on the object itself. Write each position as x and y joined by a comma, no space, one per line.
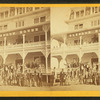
29,47
73,45
74,49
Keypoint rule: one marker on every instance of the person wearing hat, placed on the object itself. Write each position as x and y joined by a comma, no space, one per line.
62,76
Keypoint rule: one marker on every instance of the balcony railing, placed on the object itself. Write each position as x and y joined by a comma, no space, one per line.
74,48
33,45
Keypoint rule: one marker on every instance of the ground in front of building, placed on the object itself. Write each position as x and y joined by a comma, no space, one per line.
53,88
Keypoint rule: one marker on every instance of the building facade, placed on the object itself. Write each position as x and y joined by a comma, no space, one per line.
25,36
81,44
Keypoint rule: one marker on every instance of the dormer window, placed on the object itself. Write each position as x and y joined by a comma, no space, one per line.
92,9
96,10
2,15
77,14
6,14
12,11
82,13
28,9
87,10
20,10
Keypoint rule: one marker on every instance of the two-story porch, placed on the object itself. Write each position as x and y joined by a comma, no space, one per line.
26,46
76,47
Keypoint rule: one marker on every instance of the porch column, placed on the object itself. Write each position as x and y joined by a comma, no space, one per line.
59,60
64,49
23,50
45,29
4,55
80,40
80,52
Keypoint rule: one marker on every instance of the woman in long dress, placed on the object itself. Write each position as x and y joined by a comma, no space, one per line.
67,78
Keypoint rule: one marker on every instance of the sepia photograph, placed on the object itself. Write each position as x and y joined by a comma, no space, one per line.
24,48
50,48
75,48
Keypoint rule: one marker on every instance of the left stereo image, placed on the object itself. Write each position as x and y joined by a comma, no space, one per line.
24,48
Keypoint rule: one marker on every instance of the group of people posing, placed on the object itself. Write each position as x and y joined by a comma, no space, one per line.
82,74
10,75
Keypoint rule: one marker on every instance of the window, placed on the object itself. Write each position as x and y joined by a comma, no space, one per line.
36,20
77,14
6,14
20,10
2,15
28,9
36,38
80,26
23,9
42,19
19,23
42,37
22,23
12,11
5,27
82,13
95,22
96,9
87,10
92,9
76,27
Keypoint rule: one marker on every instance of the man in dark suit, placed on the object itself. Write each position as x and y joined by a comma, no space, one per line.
62,76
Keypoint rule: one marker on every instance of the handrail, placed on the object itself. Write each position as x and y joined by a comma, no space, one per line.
74,46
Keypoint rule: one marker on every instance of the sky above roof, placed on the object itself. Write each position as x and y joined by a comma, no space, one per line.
58,17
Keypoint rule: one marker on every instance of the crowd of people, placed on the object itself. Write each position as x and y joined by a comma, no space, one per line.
20,75
82,74
33,76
